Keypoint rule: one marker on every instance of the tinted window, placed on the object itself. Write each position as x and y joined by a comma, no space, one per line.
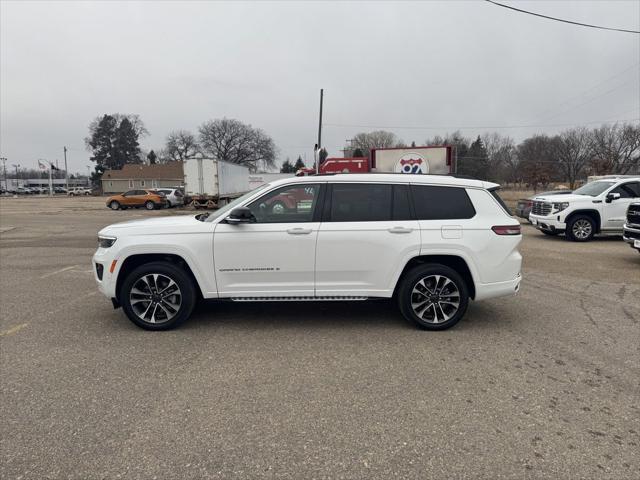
360,203
141,192
496,195
126,194
293,203
400,207
628,190
441,203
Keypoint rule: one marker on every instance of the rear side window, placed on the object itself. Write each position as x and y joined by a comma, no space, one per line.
494,193
360,202
441,203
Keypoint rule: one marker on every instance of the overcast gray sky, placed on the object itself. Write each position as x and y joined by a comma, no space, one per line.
388,64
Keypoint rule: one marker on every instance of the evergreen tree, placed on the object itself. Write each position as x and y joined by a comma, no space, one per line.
101,142
287,167
358,152
299,164
127,148
475,162
152,157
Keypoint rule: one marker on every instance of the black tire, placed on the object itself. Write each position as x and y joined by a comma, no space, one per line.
550,233
168,204
114,205
581,228
149,205
175,273
426,274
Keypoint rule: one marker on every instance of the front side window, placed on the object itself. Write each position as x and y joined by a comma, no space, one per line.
290,204
628,190
441,203
129,193
360,202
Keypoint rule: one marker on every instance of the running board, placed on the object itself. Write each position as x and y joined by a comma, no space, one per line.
295,299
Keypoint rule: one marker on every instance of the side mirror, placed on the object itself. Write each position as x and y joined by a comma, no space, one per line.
612,196
240,215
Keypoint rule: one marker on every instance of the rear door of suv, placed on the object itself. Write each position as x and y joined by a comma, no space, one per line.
366,237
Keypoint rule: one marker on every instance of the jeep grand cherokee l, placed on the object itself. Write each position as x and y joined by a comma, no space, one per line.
433,242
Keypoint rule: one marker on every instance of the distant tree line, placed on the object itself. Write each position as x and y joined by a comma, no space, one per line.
114,142
568,157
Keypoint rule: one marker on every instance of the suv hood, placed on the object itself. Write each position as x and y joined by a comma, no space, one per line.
170,224
564,198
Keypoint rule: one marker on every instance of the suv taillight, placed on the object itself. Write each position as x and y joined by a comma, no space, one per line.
507,229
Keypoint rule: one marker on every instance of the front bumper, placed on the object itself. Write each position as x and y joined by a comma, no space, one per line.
631,235
550,223
106,279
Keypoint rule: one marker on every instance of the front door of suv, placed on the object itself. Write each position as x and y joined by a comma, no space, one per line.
615,211
275,256
366,237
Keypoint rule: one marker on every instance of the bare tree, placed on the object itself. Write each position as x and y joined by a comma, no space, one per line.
537,160
616,148
572,150
501,154
181,145
235,142
378,139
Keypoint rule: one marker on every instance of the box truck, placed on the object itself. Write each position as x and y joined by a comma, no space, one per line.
210,183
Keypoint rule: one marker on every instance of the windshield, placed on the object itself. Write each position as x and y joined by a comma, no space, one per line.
229,206
594,188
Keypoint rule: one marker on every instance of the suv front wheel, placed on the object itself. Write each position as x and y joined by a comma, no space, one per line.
433,296
157,296
581,228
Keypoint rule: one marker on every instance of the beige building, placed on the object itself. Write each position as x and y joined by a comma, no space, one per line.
142,176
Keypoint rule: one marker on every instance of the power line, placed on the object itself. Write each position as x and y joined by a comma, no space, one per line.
562,20
588,90
474,127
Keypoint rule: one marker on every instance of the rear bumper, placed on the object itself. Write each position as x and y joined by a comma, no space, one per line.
498,289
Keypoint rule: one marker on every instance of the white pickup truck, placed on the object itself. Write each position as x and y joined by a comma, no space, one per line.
597,207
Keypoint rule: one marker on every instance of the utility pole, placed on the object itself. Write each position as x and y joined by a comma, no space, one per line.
17,167
66,172
320,122
88,175
4,167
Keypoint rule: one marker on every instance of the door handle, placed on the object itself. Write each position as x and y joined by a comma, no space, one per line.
400,230
299,231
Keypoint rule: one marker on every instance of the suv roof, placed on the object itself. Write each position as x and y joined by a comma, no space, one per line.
390,178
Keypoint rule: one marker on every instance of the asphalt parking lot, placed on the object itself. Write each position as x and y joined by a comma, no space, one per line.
542,385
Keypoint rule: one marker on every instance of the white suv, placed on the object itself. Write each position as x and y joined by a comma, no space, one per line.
434,242
597,207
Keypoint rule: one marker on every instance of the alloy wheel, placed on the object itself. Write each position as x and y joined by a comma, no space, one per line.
582,229
435,299
155,298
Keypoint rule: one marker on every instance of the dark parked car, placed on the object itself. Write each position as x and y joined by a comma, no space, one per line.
523,209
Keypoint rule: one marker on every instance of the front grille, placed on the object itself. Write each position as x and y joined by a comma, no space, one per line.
541,208
633,214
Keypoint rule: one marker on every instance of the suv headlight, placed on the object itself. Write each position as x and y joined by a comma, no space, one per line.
106,242
558,207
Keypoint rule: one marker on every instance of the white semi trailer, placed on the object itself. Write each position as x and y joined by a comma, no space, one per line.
210,183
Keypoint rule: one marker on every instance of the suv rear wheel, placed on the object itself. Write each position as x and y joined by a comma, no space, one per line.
581,228
149,205
158,296
433,296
